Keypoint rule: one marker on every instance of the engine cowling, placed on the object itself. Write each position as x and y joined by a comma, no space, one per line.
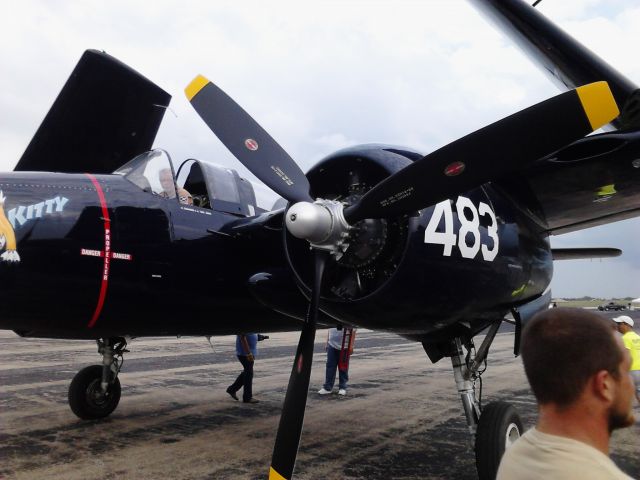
374,247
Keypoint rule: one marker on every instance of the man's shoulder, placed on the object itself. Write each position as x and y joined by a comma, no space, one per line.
631,338
538,455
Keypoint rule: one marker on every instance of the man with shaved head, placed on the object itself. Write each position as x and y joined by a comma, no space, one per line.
578,369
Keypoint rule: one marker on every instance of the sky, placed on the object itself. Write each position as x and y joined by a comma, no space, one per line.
320,76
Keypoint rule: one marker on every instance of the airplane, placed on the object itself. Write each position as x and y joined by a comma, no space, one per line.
438,248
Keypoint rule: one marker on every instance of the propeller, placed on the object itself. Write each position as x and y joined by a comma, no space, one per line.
248,141
489,153
500,148
292,418
268,161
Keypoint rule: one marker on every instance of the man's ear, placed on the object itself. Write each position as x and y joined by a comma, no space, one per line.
603,385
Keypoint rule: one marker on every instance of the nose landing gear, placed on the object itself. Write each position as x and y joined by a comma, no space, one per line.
95,390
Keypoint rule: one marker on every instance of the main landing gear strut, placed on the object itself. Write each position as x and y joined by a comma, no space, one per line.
95,390
495,426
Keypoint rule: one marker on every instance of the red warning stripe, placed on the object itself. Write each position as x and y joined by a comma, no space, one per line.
107,251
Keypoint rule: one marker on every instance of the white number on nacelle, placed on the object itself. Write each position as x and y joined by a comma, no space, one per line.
469,224
492,231
446,238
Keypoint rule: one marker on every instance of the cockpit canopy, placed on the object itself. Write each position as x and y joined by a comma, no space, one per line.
208,186
220,188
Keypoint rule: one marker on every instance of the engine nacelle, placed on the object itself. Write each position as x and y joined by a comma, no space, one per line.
404,274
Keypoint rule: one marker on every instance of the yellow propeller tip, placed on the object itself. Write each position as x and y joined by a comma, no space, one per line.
273,475
598,103
195,86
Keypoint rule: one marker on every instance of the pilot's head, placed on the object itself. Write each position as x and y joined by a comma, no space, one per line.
166,181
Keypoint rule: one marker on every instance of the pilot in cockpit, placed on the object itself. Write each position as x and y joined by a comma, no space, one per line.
169,189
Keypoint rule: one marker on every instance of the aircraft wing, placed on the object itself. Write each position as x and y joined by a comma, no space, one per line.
595,180
569,63
106,114
592,182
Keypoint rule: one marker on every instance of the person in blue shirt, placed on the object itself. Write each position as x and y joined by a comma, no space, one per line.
246,350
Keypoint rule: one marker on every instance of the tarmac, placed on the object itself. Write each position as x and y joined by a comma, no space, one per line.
401,418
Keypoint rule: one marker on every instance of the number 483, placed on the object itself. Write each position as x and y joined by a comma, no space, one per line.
469,217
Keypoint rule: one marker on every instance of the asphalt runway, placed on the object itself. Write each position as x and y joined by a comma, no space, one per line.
401,419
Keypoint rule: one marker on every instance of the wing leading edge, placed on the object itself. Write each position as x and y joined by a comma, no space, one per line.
569,63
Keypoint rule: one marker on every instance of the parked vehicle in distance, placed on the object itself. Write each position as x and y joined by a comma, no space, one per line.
612,306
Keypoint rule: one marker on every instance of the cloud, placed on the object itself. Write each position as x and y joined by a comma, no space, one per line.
317,76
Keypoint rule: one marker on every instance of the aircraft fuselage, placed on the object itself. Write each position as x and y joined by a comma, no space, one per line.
99,257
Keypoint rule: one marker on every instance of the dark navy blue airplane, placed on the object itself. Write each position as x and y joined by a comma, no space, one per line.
102,239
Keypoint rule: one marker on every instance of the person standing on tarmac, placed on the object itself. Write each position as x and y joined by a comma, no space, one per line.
631,339
337,346
246,350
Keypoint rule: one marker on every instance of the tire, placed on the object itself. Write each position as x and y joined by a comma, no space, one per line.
498,428
85,397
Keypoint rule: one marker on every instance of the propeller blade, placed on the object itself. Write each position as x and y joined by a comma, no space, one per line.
295,401
248,141
489,153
